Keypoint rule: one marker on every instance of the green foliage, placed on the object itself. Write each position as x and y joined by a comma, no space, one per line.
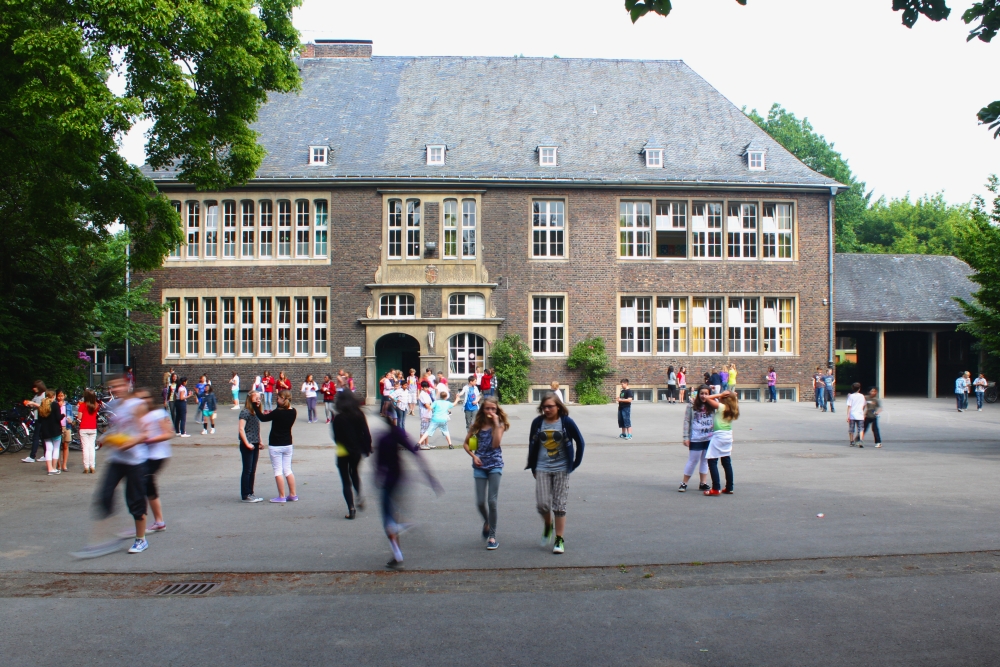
847,374
511,359
197,69
979,246
591,357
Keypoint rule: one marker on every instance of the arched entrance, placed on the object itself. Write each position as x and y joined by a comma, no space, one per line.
396,350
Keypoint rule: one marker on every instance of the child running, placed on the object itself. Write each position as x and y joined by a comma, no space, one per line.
354,440
698,424
157,429
440,414
727,410
482,443
209,405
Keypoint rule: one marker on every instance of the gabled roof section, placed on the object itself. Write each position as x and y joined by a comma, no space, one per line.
493,113
914,289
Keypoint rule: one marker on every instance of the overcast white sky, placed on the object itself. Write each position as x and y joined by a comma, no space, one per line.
899,104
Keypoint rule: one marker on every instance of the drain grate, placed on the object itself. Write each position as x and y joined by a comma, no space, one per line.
189,588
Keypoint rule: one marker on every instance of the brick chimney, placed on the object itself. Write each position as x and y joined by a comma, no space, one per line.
338,48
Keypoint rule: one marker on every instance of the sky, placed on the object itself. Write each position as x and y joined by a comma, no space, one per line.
899,104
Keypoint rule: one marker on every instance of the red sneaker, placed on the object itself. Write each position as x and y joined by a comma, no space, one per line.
728,492
712,492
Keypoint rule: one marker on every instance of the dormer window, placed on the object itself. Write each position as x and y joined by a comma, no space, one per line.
654,158
547,156
317,154
755,160
435,154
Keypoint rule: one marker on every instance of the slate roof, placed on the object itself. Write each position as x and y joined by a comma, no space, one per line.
378,114
900,288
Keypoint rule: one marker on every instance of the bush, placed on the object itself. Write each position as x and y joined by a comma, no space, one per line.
511,359
592,359
847,374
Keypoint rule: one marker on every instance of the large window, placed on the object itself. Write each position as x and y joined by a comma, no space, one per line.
634,229
211,230
322,223
467,305
301,325
266,317
466,351
284,304
450,228
229,229
706,325
635,320
777,231
176,250
193,229
302,228
706,230
319,325
396,305
395,229
191,306
548,228
468,228
284,228
266,229
742,231
671,324
247,240
413,228
778,322
671,229
228,326
246,326
211,327
547,317
173,327
742,325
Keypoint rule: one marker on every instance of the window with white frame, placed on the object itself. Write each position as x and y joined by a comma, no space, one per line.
322,225
706,325
176,250
435,154
742,231
284,228
396,305
266,229
395,229
266,316
284,304
634,229
706,230
174,327
777,231
547,317
547,156
469,228
193,229
229,229
742,325
450,229
247,223
778,318
413,229
467,305
191,306
302,228
548,225
671,324
671,229
211,327
246,326
211,231
319,325
466,351
654,158
317,154
228,326
755,160
635,319
301,326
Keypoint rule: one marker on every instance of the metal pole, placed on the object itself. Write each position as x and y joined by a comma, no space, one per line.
832,341
128,277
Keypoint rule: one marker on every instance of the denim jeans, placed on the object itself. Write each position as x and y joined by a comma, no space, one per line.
772,393
873,422
713,470
820,398
829,398
979,400
249,457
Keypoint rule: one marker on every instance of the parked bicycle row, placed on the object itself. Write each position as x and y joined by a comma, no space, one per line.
52,423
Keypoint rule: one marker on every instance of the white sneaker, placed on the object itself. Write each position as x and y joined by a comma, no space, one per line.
204,432
213,430
27,459
185,435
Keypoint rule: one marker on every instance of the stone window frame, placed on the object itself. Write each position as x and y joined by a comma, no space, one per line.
395,305
565,256
435,196
530,338
254,293
446,304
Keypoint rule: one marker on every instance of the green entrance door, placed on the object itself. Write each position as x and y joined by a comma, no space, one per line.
396,350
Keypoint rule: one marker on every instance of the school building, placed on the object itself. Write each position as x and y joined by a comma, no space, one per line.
412,210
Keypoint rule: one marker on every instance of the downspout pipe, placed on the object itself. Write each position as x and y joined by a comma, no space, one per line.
832,339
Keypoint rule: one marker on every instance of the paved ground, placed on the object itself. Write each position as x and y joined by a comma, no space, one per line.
926,492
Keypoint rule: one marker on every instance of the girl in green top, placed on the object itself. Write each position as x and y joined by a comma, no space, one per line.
727,410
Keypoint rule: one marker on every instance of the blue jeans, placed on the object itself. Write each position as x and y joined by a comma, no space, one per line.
268,401
772,393
979,400
829,399
820,398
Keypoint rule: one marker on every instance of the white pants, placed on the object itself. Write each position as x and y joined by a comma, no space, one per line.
88,440
52,448
281,460
696,459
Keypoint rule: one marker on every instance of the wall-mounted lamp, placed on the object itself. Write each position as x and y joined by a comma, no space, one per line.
430,340
826,302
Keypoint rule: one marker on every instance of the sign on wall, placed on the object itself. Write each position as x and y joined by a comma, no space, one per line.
352,351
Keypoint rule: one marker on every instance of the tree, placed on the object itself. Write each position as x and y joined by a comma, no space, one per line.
927,226
987,13
591,357
979,246
198,69
511,359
